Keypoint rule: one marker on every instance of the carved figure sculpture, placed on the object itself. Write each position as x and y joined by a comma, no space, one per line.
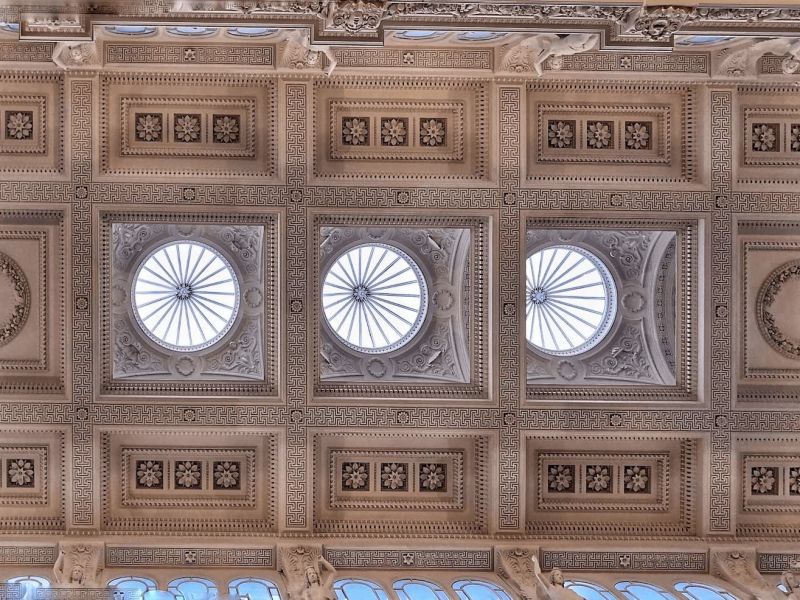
531,53
78,565
299,53
740,570
76,56
308,575
743,62
521,569
791,581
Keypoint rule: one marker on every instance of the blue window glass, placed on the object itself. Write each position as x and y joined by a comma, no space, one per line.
253,589
193,588
29,585
251,31
636,590
134,587
9,27
417,589
480,36
358,589
192,31
473,589
589,591
703,591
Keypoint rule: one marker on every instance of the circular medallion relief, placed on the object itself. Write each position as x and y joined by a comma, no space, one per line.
185,296
374,298
776,309
571,300
15,299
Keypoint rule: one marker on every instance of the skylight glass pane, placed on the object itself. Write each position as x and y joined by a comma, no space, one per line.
185,296
571,300
374,298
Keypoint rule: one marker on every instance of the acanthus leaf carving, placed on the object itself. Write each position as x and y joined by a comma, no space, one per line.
356,16
130,356
433,357
240,356
628,249
658,23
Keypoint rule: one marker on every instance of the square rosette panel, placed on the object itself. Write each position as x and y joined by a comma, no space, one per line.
766,480
611,309
32,295
651,480
189,305
768,362
33,479
184,480
400,307
400,482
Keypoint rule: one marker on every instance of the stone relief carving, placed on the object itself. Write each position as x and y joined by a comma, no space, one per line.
791,581
627,358
531,53
768,321
130,356
740,570
355,16
79,565
15,299
297,52
742,61
627,248
76,56
308,575
657,23
520,568
241,355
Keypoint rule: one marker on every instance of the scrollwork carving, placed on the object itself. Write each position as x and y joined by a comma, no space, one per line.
130,357
627,357
356,16
241,356
433,357
658,23
628,249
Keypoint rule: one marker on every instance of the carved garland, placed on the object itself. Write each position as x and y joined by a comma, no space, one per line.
21,298
766,319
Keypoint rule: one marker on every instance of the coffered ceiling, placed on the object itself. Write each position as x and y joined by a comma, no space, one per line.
662,143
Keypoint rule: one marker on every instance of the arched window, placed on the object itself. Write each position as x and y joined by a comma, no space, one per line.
636,590
589,591
417,589
473,589
358,589
134,587
29,585
253,589
703,591
193,588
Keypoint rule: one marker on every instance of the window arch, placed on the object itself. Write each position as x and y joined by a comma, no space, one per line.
253,589
135,587
636,590
589,591
29,585
418,589
358,589
193,588
474,589
703,591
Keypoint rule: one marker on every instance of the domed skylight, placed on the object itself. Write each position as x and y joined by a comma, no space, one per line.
571,300
185,296
374,298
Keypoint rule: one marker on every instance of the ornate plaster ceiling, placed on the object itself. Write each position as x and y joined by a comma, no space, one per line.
663,140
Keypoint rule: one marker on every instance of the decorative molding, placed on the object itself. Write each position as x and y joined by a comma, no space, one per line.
188,556
633,561
189,54
375,558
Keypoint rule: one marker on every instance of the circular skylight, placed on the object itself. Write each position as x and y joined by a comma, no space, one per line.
185,296
374,298
571,300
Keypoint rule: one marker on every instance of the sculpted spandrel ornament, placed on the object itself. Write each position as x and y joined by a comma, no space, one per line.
740,570
297,52
521,569
743,62
531,53
78,565
308,575
76,56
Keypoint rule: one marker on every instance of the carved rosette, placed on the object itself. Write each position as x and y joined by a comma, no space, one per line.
15,299
766,318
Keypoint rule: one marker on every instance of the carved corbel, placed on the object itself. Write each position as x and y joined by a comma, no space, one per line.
739,568
79,565
534,51
743,61
308,576
520,568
